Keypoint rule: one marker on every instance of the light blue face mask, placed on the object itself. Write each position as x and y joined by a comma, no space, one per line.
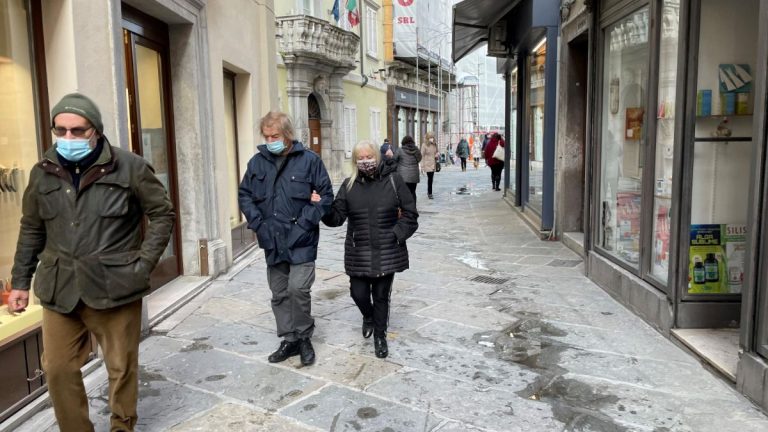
73,150
276,147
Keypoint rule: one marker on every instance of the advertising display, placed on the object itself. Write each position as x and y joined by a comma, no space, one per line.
716,264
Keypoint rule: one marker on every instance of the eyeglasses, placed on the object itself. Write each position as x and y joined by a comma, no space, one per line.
78,132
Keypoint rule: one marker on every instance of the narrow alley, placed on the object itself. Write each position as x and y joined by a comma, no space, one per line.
491,329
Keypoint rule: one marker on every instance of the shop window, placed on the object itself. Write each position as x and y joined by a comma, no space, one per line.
722,147
512,145
665,134
536,65
623,114
20,146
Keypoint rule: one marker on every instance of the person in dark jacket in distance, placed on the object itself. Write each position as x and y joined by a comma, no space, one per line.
275,196
83,222
408,157
375,247
494,164
462,152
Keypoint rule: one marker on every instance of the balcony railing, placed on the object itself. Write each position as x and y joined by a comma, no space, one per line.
305,36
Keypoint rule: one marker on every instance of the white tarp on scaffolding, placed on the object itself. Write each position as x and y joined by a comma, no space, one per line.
426,22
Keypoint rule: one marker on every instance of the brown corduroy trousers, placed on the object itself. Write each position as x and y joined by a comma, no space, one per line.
66,348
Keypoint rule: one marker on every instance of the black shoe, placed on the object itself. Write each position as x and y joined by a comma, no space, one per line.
380,343
287,349
367,327
306,352
430,196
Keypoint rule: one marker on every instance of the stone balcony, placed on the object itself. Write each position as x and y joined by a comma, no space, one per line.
305,37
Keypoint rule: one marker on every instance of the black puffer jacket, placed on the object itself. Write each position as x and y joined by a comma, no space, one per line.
375,244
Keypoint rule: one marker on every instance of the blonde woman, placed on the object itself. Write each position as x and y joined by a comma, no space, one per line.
429,160
381,215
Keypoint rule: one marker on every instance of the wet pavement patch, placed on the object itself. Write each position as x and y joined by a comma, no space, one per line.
197,346
529,343
367,412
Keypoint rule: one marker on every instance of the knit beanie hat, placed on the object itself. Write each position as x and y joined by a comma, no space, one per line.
81,105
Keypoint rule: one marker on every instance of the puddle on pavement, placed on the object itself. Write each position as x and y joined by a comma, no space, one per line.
332,294
528,343
197,345
464,190
471,259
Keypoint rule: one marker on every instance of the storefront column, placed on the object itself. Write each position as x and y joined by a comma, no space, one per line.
338,152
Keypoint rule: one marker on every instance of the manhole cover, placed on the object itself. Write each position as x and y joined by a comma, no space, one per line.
489,280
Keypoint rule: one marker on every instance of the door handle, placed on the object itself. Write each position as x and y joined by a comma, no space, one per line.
38,374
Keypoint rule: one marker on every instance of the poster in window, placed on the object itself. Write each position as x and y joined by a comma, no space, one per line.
634,123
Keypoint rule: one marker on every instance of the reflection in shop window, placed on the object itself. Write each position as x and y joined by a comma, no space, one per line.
537,61
19,148
623,137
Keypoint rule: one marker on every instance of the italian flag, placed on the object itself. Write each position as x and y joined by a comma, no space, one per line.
351,17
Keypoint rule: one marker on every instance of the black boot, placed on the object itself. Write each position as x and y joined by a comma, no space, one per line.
367,327
380,344
287,349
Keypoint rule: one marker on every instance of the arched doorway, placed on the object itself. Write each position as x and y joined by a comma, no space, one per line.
315,115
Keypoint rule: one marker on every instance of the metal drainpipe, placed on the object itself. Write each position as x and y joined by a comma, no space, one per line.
362,54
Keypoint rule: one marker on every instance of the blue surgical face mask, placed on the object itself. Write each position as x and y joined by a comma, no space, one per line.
73,150
276,147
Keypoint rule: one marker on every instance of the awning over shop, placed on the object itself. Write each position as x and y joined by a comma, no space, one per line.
471,21
521,23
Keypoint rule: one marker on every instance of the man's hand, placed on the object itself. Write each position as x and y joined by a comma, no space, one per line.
18,301
315,198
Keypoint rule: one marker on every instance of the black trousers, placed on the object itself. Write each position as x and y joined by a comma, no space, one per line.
412,188
430,177
463,164
496,174
371,295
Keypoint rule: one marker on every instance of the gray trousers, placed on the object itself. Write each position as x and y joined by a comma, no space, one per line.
291,302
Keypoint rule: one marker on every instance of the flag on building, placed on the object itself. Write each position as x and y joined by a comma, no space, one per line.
350,17
335,11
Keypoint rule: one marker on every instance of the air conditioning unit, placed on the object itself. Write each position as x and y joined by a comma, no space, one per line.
497,40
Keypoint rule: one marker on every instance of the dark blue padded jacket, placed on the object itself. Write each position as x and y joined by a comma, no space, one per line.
277,204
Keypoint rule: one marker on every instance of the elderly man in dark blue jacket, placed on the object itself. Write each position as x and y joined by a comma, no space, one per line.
275,198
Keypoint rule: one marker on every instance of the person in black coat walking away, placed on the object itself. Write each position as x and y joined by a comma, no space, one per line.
381,215
494,164
408,157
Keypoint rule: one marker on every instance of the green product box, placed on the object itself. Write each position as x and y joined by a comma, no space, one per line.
706,266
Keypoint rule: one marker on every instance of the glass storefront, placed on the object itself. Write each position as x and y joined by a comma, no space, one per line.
19,145
665,138
20,150
512,145
537,90
623,136
722,148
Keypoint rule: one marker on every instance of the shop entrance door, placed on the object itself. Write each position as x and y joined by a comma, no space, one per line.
151,118
718,148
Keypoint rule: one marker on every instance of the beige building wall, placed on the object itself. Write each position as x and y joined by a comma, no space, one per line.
241,43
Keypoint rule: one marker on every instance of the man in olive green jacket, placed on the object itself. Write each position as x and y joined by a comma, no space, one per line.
82,218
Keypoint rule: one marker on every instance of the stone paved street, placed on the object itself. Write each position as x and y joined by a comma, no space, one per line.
491,329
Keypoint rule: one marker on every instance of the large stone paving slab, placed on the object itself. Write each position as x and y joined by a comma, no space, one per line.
239,418
231,375
337,408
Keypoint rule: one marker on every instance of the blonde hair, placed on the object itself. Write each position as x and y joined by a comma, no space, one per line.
427,137
281,121
362,145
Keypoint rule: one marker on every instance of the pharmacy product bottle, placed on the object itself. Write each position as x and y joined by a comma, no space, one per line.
699,274
711,268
